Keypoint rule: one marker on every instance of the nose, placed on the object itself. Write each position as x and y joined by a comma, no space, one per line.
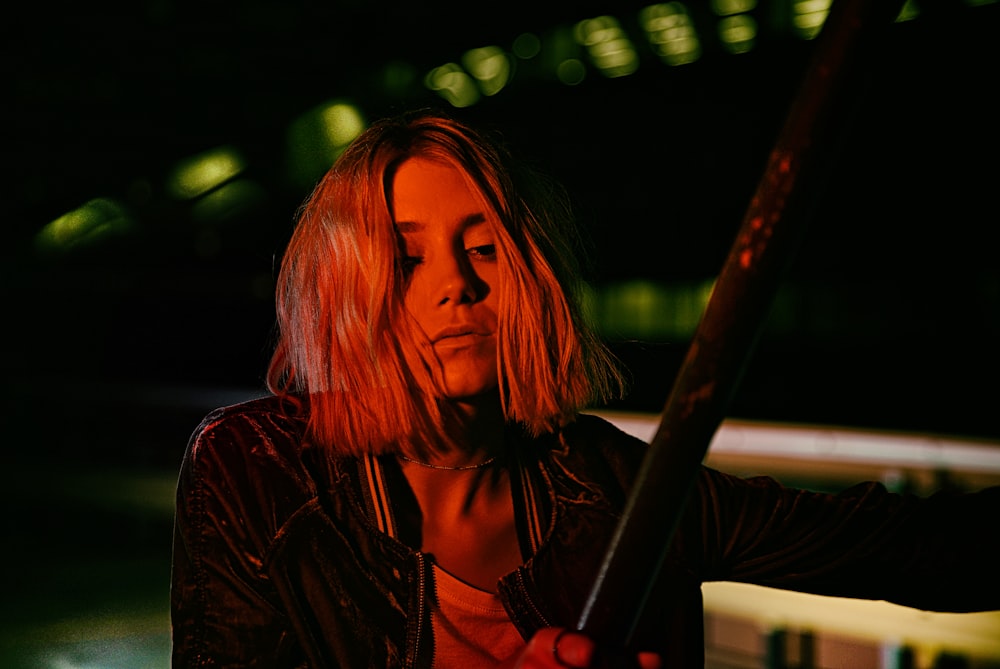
455,281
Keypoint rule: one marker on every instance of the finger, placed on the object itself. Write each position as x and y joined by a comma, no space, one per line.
650,661
565,647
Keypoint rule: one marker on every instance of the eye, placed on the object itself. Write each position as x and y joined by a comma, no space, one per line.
483,251
409,263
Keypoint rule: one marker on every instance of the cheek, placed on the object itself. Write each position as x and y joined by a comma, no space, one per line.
415,298
490,278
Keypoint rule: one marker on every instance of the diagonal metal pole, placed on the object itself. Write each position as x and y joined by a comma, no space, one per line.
733,318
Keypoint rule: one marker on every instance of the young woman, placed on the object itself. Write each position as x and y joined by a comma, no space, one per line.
422,489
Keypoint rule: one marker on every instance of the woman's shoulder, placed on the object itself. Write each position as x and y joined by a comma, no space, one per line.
593,444
262,427
285,409
253,450
600,432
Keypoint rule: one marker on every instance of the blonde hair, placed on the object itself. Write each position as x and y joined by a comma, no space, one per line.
342,330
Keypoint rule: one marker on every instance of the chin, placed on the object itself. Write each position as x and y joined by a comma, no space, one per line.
461,390
469,377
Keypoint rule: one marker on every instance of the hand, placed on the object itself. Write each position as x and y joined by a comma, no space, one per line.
558,648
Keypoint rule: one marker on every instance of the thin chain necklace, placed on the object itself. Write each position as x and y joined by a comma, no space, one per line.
479,465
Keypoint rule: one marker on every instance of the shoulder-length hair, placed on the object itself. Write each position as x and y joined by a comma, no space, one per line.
341,325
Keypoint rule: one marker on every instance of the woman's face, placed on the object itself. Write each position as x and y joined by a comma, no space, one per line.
450,259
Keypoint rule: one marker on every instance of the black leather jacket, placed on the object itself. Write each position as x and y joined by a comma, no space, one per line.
279,561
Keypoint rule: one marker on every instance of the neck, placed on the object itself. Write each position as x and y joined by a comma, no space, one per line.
477,419
473,433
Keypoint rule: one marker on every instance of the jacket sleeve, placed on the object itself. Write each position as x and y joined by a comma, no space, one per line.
933,553
224,612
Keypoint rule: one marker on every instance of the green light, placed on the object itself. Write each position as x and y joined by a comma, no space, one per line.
609,47
452,83
397,78
808,16
96,220
737,33
490,66
342,123
526,46
571,71
649,310
671,33
318,137
202,173
730,7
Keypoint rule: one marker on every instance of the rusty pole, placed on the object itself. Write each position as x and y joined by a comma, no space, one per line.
733,319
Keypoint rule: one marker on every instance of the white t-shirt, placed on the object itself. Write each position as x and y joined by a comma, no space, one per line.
471,627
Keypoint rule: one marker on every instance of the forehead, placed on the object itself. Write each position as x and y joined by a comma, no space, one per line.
424,190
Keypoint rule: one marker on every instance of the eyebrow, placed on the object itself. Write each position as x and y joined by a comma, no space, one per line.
416,226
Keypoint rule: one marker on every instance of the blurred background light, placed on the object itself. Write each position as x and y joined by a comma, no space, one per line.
490,66
650,310
96,220
571,71
911,10
341,123
398,78
609,47
453,84
526,46
671,32
317,137
737,33
730,7
808,16
214,184
560,57
229,201
202,173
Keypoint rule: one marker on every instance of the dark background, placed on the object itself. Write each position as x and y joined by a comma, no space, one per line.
114,351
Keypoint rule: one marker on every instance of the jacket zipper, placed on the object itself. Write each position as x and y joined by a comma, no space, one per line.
420,607
539,617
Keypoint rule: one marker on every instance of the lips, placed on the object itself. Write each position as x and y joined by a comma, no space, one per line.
454,333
